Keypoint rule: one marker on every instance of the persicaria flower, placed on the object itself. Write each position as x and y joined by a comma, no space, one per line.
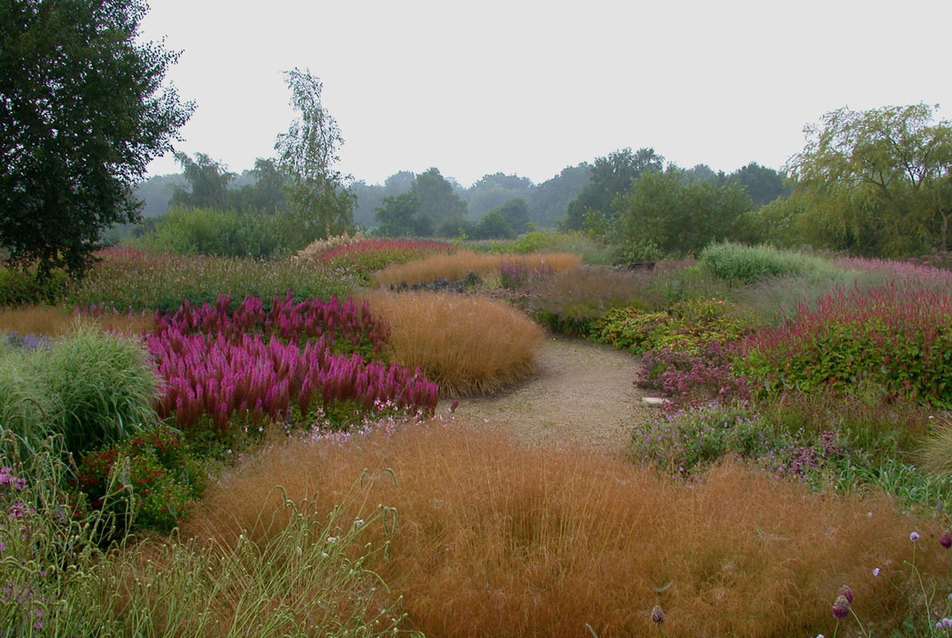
841,607
946,540
657,614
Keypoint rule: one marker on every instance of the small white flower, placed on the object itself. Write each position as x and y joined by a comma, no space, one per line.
876,572
331,539
358,523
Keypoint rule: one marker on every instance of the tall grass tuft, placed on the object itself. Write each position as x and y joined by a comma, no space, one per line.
465,344
495,538
457,265
106,384
90,388
750,264
56,321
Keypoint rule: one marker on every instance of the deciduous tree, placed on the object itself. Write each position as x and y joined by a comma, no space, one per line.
316,194
83,110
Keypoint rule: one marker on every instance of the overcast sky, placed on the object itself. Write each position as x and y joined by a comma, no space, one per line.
530,87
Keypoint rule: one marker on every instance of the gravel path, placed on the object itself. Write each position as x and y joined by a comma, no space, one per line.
580,392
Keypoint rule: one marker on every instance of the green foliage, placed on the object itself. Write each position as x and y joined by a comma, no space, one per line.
673,213
610,177
139,280
877,182
764,185
207,183
685,326
85,111
750,264
493,225
687,442
105,383
21,287
153,481
900,340
89,389
224,233
494,191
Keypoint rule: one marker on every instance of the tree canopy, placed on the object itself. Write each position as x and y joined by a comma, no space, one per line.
876,182
610,177
82,112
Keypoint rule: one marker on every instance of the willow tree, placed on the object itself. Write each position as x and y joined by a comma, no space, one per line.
876,182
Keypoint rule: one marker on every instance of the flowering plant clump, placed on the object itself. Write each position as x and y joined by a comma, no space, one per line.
514,273
691,377
898,339
688,440
262,365
345,326
147,482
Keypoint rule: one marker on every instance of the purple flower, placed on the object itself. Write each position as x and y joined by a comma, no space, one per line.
914,536
841,607
946,540
846,592
945,623
657,615
876,572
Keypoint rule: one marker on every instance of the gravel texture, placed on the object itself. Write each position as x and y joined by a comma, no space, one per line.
580,393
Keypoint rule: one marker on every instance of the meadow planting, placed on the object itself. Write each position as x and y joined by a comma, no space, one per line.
196,445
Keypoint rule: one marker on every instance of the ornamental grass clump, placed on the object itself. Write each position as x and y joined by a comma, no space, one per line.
465,344
457,265
365,256
897,339
499,538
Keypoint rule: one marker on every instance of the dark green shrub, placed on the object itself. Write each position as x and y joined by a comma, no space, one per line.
24,287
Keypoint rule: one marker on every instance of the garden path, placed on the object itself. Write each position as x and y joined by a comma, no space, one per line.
580,393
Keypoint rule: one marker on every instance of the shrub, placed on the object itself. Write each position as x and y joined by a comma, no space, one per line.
485,546
222,233
458,265
152,470
897,339
687,326
138,280
465,344
591,250
22,287
750,264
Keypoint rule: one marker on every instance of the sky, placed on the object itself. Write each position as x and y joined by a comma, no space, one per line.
529,87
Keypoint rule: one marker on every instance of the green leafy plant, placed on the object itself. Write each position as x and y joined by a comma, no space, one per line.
156,480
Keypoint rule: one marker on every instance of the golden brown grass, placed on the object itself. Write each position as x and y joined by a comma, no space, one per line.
465,344
54,321
495,538
458,265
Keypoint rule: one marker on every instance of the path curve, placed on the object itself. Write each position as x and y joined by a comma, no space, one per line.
580,392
